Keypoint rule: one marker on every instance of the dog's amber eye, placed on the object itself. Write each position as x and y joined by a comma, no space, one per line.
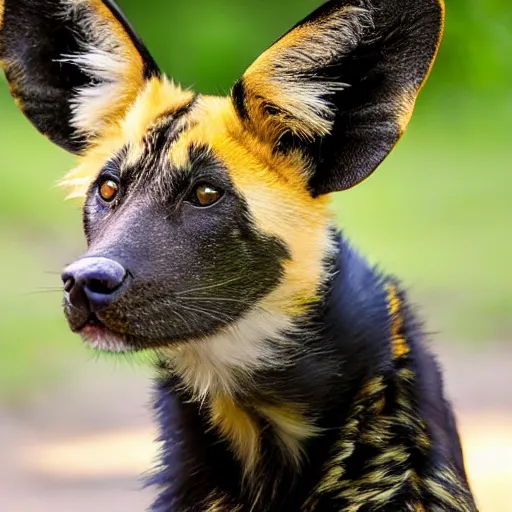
108,190
206,195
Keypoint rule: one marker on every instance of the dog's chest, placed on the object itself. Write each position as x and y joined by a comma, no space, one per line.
382,459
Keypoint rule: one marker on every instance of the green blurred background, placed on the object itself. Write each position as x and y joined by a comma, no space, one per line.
437,213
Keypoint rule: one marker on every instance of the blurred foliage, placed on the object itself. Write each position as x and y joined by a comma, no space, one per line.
475,56
437,213
208,43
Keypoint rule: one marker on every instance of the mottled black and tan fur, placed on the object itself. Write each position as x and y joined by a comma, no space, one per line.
292,376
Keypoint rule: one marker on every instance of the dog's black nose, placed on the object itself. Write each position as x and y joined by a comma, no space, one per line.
93,283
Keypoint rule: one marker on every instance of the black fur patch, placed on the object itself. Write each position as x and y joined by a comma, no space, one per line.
238,94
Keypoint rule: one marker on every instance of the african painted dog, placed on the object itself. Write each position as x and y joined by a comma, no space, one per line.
291,375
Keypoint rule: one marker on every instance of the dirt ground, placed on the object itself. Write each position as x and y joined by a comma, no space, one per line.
85,445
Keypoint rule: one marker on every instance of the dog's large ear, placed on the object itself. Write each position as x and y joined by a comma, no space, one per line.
341,85
73,66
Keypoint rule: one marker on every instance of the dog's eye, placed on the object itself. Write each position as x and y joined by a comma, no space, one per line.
205,195
108,189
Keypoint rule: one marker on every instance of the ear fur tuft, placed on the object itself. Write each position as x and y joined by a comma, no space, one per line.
286,78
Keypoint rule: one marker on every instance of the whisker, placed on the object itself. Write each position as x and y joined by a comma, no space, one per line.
211,313
216,299
43,291
217,285
200,311
184,320
253,306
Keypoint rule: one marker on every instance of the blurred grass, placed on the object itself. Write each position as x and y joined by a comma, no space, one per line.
32,332
38,230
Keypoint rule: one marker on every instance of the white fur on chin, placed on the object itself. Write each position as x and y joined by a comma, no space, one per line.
100,338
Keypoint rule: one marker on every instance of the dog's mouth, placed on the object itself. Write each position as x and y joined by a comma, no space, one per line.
98,336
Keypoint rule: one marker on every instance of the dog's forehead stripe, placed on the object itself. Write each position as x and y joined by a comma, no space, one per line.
148,159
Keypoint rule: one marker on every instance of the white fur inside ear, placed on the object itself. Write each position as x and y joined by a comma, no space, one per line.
111,61
222,363
93,104
287,72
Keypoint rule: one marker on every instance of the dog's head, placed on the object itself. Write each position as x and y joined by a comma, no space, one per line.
208,215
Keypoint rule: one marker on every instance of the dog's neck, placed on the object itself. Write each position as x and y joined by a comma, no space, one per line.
276,415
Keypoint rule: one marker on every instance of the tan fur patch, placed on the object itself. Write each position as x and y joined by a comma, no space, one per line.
404,110
292,428
241,429
159,96
238,427
400,347
88,166
2,9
